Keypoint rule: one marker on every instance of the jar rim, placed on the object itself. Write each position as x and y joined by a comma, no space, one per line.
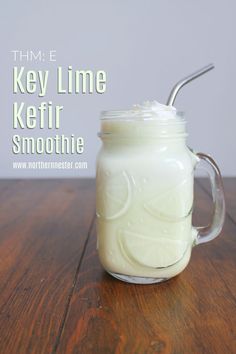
133,115
140,127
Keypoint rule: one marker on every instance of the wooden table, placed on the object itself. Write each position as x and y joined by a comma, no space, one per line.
55,297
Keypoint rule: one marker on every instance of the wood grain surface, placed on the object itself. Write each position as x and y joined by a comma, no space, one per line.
56,298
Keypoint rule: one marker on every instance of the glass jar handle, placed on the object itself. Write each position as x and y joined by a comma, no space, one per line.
208,233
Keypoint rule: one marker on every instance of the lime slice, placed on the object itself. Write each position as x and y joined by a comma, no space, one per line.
113,195
152,252
174,204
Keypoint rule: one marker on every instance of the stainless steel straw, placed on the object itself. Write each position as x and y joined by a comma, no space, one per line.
185,81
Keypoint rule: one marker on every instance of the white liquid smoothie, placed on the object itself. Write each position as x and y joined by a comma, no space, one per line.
145,193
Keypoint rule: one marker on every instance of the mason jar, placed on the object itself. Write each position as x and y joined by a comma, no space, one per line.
144,196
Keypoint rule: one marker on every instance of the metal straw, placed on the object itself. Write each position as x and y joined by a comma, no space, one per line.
185,81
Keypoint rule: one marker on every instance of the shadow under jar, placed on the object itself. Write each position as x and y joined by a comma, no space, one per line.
144,201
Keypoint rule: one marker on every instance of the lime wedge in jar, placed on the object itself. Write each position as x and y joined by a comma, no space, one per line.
159,252
113,195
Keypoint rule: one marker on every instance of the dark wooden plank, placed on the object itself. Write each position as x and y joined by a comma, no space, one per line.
192,313
230,193
43,229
